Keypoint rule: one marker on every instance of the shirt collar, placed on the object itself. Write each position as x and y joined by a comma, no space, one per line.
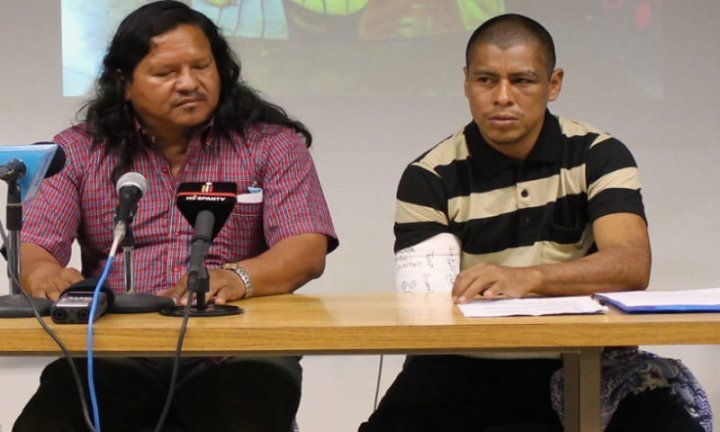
490,161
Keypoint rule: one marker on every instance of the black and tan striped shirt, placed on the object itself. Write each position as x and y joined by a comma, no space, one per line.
518,213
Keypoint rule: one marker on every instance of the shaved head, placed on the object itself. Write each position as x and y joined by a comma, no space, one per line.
505,31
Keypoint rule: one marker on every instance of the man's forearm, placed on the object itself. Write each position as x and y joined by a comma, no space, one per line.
614,269
622,263
288,265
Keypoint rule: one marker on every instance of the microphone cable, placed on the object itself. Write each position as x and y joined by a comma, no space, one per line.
90,338
176,364
120,231
119,235
73,368
377,385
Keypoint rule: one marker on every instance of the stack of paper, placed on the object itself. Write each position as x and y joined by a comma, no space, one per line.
532,306
701,300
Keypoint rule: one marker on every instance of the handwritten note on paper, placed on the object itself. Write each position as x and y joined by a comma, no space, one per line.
532,306
429,266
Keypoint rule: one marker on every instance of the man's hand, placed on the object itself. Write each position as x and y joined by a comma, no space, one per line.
42,275
50,284
493,281
225,286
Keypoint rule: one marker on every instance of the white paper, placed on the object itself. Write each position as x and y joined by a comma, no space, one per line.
532,306
250,198
699,297
429,266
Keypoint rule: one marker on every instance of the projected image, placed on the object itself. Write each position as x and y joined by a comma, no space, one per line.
346,19
87,28
328,29
367,47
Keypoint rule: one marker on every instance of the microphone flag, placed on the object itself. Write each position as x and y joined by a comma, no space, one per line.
36,158
216,197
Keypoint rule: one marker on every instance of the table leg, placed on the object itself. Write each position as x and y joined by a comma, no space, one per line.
582,390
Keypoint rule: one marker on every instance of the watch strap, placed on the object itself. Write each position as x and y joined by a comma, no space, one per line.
244,277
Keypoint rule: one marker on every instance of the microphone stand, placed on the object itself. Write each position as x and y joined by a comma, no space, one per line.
129,301
15,305
200,287
198,281
127,245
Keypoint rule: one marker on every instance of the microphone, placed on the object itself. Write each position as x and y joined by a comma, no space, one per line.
206,206
12,170
23,173
203,236
130,187
16,168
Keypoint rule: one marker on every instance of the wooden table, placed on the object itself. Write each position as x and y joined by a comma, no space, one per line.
379,323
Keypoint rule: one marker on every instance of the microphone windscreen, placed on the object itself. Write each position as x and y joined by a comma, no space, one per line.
58,161
217,197
132,179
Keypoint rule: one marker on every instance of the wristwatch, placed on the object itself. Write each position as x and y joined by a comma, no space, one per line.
243,275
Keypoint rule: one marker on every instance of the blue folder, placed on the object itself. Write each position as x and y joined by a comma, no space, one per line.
650,304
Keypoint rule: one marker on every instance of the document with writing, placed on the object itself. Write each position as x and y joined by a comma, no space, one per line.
532,306
699,300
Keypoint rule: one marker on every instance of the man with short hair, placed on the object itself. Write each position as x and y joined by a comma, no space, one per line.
170,105
540,206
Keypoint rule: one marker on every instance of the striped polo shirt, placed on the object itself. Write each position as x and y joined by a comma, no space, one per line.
518,212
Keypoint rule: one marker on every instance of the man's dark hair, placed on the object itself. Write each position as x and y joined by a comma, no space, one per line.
508,30
111,118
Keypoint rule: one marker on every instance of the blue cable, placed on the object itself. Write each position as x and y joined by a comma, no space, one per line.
91,320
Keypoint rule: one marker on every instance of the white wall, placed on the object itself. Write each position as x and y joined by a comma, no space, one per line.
362,144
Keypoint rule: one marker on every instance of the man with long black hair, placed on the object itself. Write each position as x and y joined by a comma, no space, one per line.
170,105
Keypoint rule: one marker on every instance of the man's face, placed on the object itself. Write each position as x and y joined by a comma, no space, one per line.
508,91
176,86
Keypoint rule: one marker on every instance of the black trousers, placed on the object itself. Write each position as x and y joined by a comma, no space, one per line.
458,394
238,394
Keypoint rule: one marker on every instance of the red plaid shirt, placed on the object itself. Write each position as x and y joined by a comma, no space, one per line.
79,203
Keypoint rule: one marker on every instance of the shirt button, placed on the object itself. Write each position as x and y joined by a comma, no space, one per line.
524,193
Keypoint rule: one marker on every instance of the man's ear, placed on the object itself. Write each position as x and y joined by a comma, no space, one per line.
556,79
466,82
